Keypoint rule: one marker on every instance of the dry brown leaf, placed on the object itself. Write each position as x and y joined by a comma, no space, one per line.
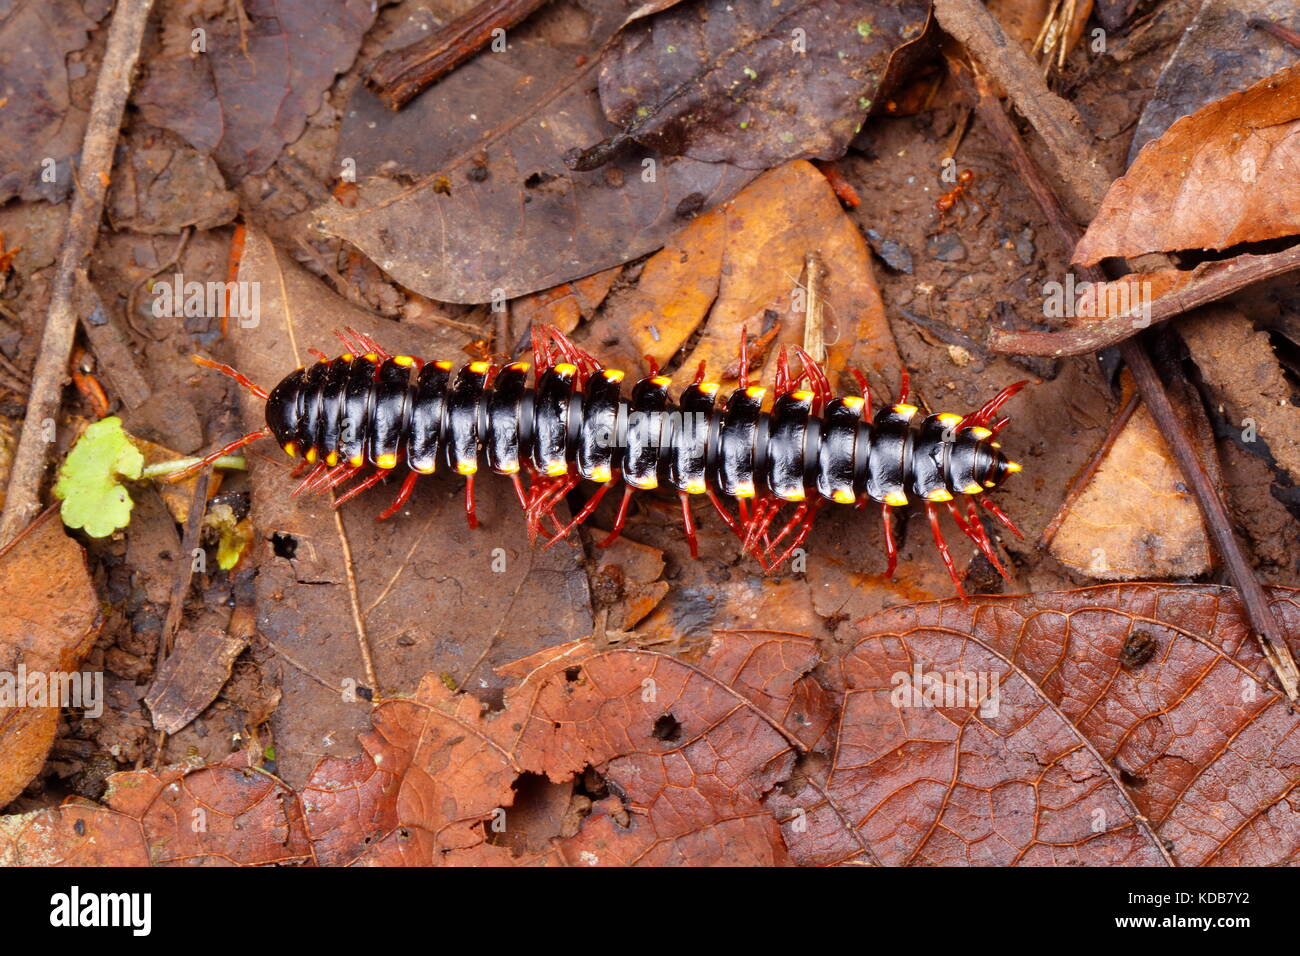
734,265
1224,175
49,618
1116,724
1137,518
191,676
221,815
687,749
563,306
1238,363
1122,724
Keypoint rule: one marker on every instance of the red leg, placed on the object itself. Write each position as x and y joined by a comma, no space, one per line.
689,524
904,388
312,475
782,383
803,533
544,503
985,412
325,480
349,344
619,520
402,495
582,515
975,531
470,517
699,374
369,344
585,361
817,380
933,512
891,549
361,486
227,370
726,515
998,513
798,516
220,452
343,475
866,393
522,495
764,511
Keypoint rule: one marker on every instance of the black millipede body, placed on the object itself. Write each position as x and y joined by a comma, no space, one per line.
564,419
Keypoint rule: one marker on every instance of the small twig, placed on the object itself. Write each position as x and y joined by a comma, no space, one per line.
184,568
1055,120
814,333
1276,29
399,76
111,92
163,468
1210,282
1264,624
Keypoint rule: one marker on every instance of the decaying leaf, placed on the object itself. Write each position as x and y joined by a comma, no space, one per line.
94,499
191,676
626,583
40,124
262,72
744,265
1219,52
1242,370
1136,518
565,305
506,217
221,815
752,84
687,751
49,619
1119,724
1221,176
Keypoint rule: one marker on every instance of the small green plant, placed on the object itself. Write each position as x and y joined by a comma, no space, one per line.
94,498
91,479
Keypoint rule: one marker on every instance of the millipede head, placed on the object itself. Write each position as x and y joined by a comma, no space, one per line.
282,412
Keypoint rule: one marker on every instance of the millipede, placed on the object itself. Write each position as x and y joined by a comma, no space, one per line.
364,414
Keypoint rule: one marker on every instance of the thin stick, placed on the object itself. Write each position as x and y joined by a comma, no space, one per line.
1055,120
184,568
1264,624
1210,282
814,332
112,89
399,76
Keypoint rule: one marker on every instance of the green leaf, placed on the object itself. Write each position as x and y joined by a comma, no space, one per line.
93,498
233,536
